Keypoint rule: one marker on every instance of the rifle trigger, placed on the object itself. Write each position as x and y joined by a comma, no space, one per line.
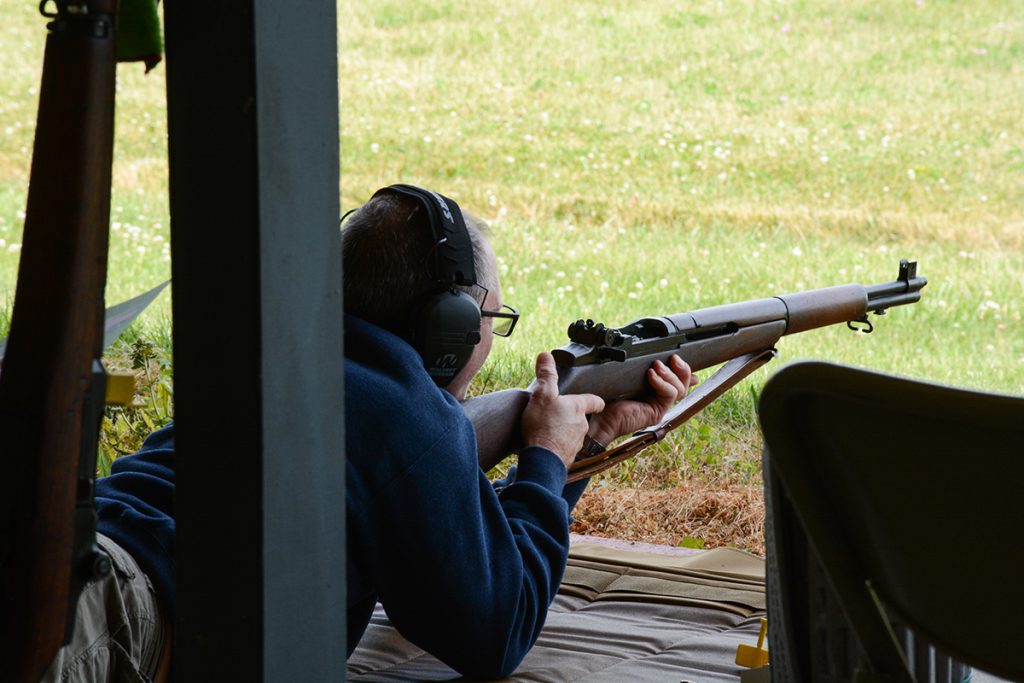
866,330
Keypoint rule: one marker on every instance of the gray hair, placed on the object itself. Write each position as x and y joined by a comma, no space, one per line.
384,250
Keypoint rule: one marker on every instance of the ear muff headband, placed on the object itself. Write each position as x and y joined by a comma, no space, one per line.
453,252
447,325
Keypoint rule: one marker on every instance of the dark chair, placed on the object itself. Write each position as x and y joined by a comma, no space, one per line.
895,514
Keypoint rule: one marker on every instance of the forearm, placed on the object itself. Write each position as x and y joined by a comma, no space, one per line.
479,592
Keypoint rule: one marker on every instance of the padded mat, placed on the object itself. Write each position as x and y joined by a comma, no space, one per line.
619,616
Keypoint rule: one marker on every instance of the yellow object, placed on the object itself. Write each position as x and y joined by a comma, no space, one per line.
120,388
754,657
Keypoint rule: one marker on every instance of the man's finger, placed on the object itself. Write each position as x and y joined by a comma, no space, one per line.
683,369
677,377
547,375
665,392
589,403
668,387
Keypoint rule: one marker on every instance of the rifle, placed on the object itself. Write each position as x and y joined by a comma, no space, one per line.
52,382
612,362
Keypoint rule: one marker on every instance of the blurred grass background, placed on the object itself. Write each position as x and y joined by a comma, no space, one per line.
639,159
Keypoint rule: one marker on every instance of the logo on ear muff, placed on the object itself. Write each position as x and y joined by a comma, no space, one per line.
448,361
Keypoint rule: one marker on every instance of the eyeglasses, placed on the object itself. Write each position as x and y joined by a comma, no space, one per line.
505,320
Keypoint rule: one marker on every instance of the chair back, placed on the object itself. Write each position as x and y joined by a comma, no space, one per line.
908,495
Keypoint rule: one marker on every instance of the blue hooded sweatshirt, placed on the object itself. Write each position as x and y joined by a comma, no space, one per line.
135,507
464,570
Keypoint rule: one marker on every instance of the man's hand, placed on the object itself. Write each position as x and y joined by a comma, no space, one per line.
556,422
670,383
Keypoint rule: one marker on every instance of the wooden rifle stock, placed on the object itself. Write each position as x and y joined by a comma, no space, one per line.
51,384
612,363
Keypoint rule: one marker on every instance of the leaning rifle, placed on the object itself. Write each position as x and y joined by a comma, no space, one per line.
613,362
52,382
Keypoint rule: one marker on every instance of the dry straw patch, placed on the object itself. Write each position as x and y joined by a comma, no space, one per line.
717,513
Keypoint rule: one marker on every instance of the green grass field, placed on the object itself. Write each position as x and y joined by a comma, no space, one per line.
638,159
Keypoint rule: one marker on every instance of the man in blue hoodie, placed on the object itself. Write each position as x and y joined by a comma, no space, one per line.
463,568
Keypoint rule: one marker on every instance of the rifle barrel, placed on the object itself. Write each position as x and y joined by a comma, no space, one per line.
905,289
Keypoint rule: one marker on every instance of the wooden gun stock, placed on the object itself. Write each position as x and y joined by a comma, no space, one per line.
51,384
495,418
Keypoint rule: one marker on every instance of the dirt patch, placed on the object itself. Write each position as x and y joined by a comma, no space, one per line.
718,514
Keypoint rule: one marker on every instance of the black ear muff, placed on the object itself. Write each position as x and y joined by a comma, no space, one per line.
448,324
446,333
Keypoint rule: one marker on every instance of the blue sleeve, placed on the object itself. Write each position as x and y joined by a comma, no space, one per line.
571,493
135,508
464,573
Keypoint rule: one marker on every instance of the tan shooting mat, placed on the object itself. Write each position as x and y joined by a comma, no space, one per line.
723,578
621,615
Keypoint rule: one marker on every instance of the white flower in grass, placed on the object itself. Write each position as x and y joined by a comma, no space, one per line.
797,251
13,248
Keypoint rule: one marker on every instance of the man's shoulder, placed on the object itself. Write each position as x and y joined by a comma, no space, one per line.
371,346
385,381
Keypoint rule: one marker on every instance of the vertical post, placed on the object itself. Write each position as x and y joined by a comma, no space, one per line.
253,149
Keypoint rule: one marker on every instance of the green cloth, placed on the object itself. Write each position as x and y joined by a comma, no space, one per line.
138,33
